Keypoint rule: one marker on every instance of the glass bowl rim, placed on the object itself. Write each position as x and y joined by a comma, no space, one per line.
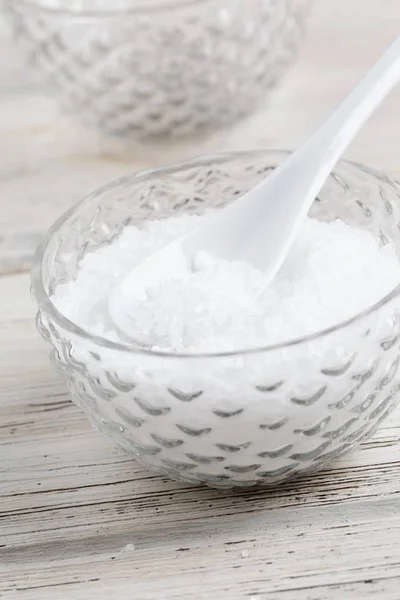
169,5
45,304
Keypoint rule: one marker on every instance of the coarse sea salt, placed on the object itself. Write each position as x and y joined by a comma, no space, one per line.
332,273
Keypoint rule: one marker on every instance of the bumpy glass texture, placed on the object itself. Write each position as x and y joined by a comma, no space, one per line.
257,417
171,71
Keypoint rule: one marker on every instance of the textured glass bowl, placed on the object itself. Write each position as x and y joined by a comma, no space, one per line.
161,67
255,416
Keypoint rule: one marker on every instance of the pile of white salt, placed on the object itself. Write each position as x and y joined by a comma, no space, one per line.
332,273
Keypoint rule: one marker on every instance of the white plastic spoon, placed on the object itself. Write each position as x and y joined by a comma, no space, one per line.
260,227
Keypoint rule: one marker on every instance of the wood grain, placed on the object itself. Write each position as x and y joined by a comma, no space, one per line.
71,506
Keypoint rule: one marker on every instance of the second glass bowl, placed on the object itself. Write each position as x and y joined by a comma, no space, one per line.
166,67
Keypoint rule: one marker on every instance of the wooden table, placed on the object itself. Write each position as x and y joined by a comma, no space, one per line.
82,521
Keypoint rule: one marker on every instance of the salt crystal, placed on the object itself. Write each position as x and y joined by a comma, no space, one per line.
333,273
126,549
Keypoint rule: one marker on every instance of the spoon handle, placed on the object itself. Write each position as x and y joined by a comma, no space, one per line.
296,183
333,137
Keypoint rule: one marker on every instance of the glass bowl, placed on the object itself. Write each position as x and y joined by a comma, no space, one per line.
159,67
255,416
